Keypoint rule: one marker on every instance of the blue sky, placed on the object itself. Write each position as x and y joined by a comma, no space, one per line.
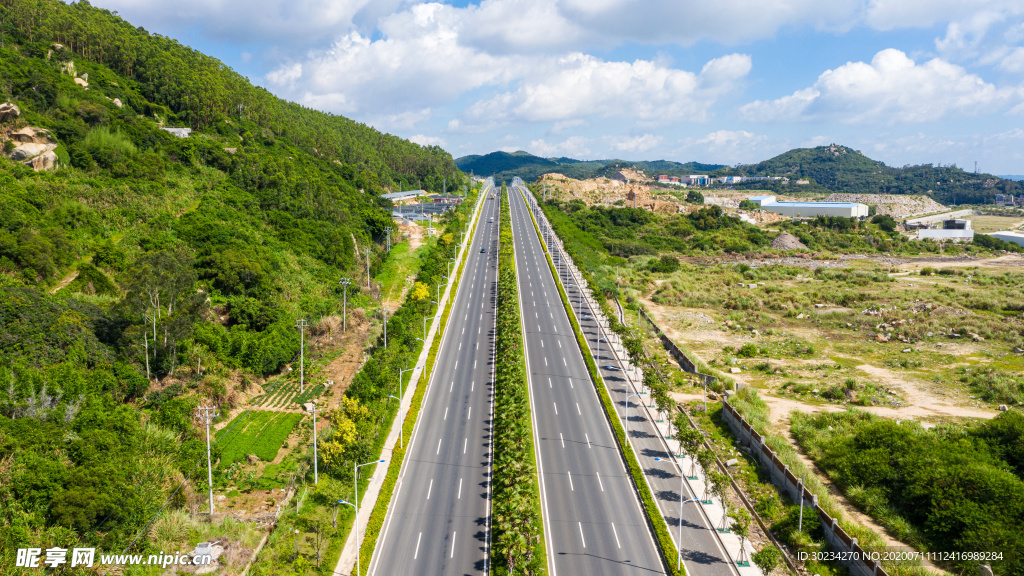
726,81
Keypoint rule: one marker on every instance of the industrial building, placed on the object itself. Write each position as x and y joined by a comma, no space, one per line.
811,209
956,230
406,195
1010,236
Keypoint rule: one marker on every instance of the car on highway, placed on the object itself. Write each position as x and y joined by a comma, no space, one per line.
484,249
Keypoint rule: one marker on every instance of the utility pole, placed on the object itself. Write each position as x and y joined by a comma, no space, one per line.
367,268
387,231
301,325
385,311
316,467
207,414
344,306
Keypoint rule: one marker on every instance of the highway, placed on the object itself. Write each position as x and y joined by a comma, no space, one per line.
439,516
593,522
702,553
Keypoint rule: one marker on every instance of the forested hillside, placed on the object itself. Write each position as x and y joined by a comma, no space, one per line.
841,169
506,166
144,272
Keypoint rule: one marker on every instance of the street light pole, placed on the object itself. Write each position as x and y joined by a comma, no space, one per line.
401,441
625,415
355,496
385,311
679,543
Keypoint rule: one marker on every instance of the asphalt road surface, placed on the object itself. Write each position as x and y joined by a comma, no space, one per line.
702,552
592,518
438,519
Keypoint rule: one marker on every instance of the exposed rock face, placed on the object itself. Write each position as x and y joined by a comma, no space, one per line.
29,135
179,132
35,148
82,82
787,241
8,112
45,161
30,150
117,102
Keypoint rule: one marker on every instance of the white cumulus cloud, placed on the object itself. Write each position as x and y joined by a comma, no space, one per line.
641,143
891,89
580,85
427,140
573,147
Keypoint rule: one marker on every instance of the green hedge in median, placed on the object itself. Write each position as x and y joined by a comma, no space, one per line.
517,529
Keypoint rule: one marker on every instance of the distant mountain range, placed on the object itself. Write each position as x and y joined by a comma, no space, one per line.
507,165
833,168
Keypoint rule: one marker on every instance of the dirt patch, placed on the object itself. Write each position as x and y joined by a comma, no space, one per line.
787,241
346,347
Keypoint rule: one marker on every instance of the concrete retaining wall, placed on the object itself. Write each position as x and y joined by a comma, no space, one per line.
790,484
684,361
940,217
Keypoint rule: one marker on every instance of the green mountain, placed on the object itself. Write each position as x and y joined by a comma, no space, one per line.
505,166
141,271
840,169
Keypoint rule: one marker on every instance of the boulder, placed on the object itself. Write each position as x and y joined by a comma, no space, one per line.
82,82
9,111
26,151
31,135
45,161
734,370
252,458
1003,408
732,462
117,102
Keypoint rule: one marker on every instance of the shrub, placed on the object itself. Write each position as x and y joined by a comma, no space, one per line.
107,148
747,351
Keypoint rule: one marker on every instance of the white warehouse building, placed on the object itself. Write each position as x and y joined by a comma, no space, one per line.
811,209
1009,236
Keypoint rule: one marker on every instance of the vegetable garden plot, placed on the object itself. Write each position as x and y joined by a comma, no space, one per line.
256,432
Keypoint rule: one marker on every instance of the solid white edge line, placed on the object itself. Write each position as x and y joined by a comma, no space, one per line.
533,423
375,558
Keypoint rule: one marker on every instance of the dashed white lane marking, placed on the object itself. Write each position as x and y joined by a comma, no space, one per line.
438,447
570,481
616,536
465,442
588,440
578,409
581,535
430,488
556,408
599,483
460,345
471,385
452,555
545,361
417,552
446,413
470,412
541,343
562,439
559,343
459,497
563,361
549,382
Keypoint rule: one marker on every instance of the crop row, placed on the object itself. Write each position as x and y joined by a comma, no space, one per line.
255,432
